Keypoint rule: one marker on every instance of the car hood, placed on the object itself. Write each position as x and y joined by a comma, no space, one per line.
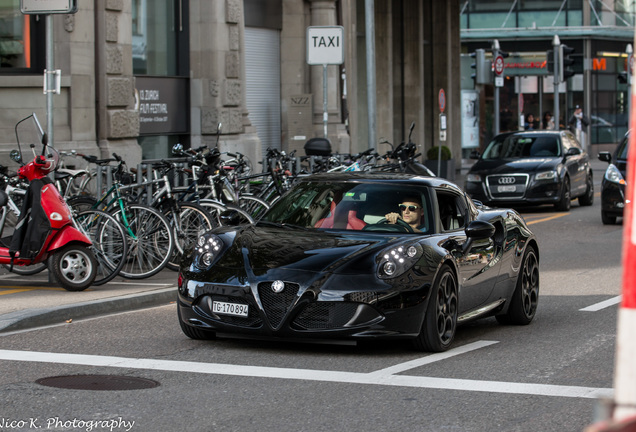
261,249
507,166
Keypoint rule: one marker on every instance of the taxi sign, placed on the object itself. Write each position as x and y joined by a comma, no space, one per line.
325,45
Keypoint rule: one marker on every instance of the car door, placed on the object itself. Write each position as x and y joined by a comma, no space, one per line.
576,162
478,271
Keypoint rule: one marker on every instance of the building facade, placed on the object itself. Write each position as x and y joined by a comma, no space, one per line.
600,32
138,76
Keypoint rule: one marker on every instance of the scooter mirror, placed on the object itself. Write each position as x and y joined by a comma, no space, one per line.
15,156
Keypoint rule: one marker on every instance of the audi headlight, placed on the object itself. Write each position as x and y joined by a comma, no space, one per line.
207,249
613,175
546,175
398,259
475,178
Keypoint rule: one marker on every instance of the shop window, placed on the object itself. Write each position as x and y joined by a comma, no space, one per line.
22,47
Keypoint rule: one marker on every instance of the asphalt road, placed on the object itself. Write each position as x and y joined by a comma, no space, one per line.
549,376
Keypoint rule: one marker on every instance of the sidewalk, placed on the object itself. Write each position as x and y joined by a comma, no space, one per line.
34,301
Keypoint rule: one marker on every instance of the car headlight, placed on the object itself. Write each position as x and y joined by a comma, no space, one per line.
546,175
613,175
397,260
207,249
476,178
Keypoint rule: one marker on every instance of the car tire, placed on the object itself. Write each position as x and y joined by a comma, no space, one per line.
587,199
440,322
193,332
607,218
565,203
524,301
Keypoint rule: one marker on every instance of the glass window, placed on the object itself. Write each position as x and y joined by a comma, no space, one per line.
159,34
21,39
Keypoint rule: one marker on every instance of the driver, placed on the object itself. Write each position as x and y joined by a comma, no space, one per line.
411,212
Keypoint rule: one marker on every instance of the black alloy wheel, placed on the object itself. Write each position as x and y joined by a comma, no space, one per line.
587,199
440,322
565,203
523,305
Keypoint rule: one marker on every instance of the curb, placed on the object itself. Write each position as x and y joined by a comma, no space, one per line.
32,318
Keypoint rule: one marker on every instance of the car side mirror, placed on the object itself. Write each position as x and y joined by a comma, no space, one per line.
477,230
573,151
605,156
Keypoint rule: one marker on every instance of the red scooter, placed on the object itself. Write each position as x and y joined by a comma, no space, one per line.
46,231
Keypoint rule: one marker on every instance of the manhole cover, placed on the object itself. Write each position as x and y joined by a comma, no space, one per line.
98,382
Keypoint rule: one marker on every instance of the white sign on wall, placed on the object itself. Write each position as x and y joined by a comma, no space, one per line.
43,7
325,45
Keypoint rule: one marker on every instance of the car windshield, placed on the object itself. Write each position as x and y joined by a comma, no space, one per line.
523,146
347,205
621,151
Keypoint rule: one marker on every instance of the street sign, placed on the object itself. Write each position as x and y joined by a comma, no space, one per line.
325,45
441,99
499,65
45,7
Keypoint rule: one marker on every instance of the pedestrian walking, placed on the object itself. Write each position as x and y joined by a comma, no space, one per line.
578,124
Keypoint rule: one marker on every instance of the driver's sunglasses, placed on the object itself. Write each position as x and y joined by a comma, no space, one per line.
411,208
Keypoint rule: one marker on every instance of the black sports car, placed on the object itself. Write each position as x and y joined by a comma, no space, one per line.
532,168
325,262
613,185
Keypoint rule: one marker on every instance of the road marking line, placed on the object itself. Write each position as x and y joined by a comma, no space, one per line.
33,288
547,219
309,374
391,370
13,291
602,305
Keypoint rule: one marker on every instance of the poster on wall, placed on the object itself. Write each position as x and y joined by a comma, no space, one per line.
162,104
470,119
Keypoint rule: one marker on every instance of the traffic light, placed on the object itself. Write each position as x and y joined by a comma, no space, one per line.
550,56
482,67
565,61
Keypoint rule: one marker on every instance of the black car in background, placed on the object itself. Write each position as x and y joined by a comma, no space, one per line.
613,185
532,168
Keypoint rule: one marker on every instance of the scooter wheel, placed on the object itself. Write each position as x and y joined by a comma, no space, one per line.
74,267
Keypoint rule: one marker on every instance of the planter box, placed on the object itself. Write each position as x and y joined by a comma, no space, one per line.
447,168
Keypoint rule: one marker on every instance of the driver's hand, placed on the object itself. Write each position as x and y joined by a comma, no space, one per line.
392,217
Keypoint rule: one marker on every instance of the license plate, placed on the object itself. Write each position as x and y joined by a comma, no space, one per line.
234,309
511,188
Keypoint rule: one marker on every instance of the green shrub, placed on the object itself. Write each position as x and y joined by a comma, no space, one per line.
433,152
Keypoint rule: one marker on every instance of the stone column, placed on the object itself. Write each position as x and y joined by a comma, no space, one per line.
118,119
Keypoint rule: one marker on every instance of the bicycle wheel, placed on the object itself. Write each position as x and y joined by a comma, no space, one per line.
255,206
110,243
150,241
220,213
192,221
81,203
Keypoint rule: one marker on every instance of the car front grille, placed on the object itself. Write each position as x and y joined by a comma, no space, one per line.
275,304
325,315
507,186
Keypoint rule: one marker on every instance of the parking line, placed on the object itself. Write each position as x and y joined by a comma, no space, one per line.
602,305
310,375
